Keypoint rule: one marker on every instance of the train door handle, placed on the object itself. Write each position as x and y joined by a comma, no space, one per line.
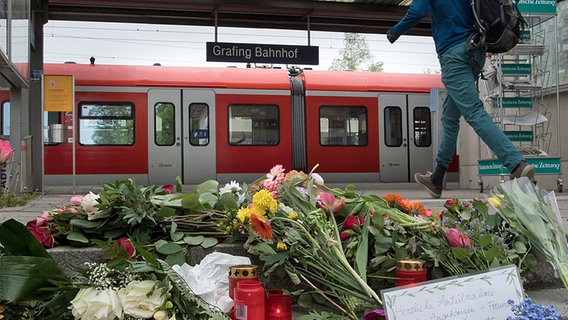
178,144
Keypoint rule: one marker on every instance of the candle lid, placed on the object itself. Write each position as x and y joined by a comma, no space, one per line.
243,271
410,265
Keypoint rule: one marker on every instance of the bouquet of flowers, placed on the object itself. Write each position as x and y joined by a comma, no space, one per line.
534,214
127,286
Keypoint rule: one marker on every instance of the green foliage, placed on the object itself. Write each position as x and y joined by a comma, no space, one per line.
356,56
10,199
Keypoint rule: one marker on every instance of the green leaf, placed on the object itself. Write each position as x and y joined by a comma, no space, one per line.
191,201
209,242
165,212
210,186
77,237
176,258
19,241
87,224
176,236
208,198
362,253
519,247
169,248
193,240
460,253
382,243
23,276
485,241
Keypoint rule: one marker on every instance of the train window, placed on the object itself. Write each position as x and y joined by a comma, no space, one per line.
164,124
343,126
106,123
422,127
6,118
199,124
393,126
254,125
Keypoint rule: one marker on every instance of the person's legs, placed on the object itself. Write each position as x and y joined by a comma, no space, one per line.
460,69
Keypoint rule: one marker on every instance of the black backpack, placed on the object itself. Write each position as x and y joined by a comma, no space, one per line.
499,22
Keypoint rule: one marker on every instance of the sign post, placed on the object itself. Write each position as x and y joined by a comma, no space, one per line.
59,96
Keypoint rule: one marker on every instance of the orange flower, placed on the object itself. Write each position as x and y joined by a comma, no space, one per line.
404,206
393,199
261,226
417,208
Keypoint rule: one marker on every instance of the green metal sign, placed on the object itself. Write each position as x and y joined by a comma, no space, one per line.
537,6
526,35
549,165
516,68
514,102
519,135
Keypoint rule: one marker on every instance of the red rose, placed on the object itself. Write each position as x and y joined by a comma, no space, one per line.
353,221
123,243
41,232
168,189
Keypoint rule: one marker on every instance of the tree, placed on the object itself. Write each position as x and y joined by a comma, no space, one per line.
356,56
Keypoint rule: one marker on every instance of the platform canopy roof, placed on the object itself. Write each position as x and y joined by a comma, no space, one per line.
360,16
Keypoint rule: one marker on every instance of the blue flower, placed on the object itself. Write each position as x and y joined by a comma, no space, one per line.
527,310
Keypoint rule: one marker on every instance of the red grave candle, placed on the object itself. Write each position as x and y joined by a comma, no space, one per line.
278,305
238,273
410,272
249,300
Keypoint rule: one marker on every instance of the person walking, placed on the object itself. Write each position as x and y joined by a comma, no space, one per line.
454,33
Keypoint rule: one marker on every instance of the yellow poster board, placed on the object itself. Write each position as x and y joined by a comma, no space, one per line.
58,92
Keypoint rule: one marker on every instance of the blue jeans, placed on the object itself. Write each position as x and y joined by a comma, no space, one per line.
460,69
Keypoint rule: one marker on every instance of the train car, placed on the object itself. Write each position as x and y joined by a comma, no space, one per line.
156,123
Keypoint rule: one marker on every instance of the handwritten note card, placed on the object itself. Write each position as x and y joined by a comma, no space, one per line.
480,296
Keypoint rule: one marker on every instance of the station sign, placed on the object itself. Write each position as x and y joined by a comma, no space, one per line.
514,102
262,53
537,6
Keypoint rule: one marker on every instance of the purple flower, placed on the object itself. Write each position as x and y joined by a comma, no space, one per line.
377,314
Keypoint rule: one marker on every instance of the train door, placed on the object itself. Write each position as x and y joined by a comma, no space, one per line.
405,136
180,143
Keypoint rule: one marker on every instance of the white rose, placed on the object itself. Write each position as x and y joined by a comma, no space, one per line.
90,303
160,315
141,299
88,204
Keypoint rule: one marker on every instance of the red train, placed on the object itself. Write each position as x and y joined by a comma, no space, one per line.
155,123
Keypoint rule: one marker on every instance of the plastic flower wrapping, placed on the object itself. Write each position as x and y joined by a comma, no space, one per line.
534,213
338,247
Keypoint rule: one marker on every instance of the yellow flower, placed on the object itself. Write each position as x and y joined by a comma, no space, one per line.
495,201
293,215
281,246
243,214
257,210
264,199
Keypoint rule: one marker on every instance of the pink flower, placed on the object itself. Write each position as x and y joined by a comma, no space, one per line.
457,239
274,178
76,200
71,210
168,189
6,152
329,203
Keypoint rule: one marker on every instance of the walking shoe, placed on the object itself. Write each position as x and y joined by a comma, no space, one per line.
523,170
425,181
